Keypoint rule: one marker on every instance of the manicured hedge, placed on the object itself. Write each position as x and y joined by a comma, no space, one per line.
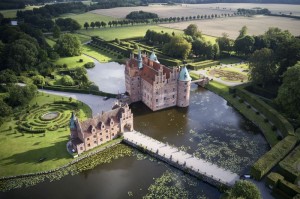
273,178
202,64
290,189
276,118
288,166
272,157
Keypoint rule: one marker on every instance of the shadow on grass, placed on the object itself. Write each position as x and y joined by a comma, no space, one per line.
51,153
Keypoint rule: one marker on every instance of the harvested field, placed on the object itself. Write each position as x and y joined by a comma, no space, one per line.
201,9
256,25
164,11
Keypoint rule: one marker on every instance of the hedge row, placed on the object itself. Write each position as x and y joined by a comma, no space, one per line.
276,118
288,166
285,189
202,64
272,157
74,90
24,128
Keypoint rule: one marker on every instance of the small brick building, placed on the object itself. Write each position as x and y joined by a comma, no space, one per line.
95,131
156,85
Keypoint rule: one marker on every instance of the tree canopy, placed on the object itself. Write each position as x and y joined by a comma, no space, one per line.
192,30
141,15
289,92
262,66
244,189
178,47
68,45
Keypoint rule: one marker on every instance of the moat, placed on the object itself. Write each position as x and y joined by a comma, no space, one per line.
209,128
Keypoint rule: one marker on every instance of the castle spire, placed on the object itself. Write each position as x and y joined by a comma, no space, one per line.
72,121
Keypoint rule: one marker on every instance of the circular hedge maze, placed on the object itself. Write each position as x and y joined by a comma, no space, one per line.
49,117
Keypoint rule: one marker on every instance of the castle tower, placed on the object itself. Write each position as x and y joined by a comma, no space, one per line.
153,57
73,127
183,88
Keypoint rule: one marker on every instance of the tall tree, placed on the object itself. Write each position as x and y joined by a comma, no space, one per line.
243,32
86,25
68,45
225,44
192,30
262,66
244,45
289,93
178,47
93,24
56,31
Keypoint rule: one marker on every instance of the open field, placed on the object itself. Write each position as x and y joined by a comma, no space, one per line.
13,13
73,62
88,17
20,153
125,32
256,25
195,9
162,11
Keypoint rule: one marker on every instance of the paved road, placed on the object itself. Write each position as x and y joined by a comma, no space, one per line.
201,166
96,103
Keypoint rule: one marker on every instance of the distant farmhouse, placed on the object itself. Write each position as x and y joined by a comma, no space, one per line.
95,131
156,85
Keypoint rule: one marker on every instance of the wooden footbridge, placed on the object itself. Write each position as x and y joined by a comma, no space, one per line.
199,168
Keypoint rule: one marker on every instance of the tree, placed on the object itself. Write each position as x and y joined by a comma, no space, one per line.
56,31
103,24
192,30
86,25
262,66
244,45
67,80
93,24
243,32
225,44
178,47
22,55
244,189
8,76
5,110
98,24
289,92
38,80
215,51
20,95
68,45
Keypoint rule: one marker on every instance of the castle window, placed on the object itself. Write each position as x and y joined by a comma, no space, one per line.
101,140
95,142
184,90
89,145
106,137
88,139
184,97
81,148
173,96
100,133
173,89
113,134
112,129
185,83
94,136
165,98
156,100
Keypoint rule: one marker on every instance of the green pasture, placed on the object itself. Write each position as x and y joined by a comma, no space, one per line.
125,32
88,17
20,152
73,62
100,55
13,13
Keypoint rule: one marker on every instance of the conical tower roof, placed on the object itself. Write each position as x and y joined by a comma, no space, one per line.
184,75
72,121
140,60
153,57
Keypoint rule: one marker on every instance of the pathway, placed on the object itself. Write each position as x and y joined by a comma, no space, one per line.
201,167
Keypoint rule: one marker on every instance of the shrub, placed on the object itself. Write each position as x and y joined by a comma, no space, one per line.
67,80
89,65
241,100
266,120
248,106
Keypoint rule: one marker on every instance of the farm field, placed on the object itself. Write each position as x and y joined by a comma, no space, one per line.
201,9
126,32
88,17
256,25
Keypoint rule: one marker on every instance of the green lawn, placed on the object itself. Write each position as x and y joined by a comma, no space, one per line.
50,42
97,54
83,38
73,62
20,153
88,17
126,31
13,13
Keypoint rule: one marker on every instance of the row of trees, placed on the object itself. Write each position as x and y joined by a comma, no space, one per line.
141,15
